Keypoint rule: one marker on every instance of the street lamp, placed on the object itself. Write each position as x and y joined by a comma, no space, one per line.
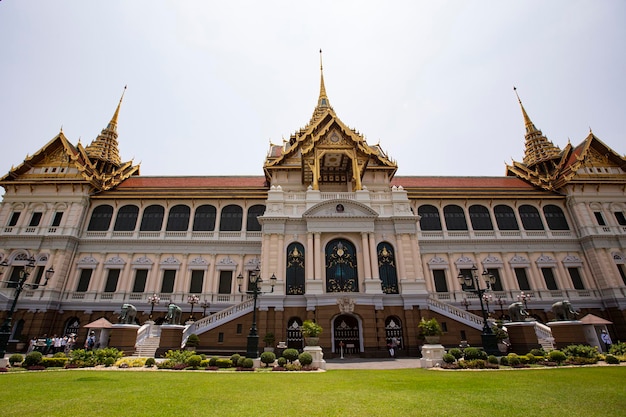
205,304
154,300
501,302
193,300
523,297
472,284
5,330
254,289
466,303
487,298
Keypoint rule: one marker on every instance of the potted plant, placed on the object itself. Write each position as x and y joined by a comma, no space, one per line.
269,340
311,332
430,330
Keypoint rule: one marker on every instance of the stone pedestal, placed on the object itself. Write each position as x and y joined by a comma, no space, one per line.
522,336
122,337
4,362
318,356
171,338
432,355
567,333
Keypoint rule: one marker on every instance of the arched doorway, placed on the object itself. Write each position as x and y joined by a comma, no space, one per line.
72,325
346,331
393,330
294,333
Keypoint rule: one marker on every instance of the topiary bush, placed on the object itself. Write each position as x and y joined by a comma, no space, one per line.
557,356
213,361
514,359
240,361
109,362
194,361
268,358
618,349
305,359
16,358
32,359
150,362
247,363
223,363
611,360
449,358
492,359
281,361
504,361
538,352
456,352
471,353
235,358
290,354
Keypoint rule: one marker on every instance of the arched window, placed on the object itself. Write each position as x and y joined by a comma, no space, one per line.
530,218
100,218
455,217
204,219
152,219
505,217
294,333
430,219
295,269
555,217
126,220
387,268
178,219
253,225
230,221
341,267
479,216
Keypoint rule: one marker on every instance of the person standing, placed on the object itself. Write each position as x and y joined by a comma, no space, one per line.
606,339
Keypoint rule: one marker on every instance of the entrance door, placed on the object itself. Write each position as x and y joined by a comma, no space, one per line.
346,331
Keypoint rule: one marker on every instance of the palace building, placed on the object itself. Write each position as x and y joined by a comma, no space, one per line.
363,252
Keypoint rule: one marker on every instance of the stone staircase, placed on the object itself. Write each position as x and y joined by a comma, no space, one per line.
148,347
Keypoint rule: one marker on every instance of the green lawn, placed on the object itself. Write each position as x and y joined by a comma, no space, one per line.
588,391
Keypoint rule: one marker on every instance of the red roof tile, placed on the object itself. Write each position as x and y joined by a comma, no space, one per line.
193,182
461,182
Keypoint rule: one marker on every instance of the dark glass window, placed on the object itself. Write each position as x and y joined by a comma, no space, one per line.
548,276
36,219
197,279
387,268
152,219
112,279
430,219
341,267
254,212
83,281
100,218
141,276
226,280
622,272
555,217
467,272
15,276
38,275
522,279
599,218
14,218
577,280
126,220
505,217
530,218
178,219
479,216
204,219
169,276
621,220
455,217
295,269
56,221
497,286
231,218
439,276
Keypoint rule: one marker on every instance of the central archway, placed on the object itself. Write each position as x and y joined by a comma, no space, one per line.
346,330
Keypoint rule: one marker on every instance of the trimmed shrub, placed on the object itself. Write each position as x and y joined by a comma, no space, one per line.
235,358
538,352
268,358
290,354
514,359
492,359
305,359
204,363
581,351
531,358
611,360
150,362
109,362
474,353
474,364
456,352
240,361
194,361
32,359
449,358
131,362
213,361
504,361
59,355
223,363
281,361
557,356
523,359
618,349
16,358
247,363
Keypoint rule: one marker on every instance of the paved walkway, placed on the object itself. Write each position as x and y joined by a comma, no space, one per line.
378,363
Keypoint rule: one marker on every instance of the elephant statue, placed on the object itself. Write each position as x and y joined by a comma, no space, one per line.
564,311
129,312
174,313
517,311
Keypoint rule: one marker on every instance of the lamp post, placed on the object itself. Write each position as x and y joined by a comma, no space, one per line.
487,298
193,300
205,304
154,300
466,303
252,350
5,330
524,297
472,284
501,302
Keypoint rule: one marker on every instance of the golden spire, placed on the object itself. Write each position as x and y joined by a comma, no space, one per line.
322,101
530,127
103,150
113,123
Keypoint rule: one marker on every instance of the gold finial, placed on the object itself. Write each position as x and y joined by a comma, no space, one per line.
113,123
530,127
61,130
323,98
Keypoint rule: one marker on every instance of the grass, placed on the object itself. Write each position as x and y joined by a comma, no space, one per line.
588,391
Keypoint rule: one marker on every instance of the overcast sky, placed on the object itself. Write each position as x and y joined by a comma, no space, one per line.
211,83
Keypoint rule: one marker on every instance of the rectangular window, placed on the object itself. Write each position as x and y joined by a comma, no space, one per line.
220,337
141,276
548,277
15,276
167,286
83,282
497,286
38,276
14,218
467,273
197,279
112,279
522,279
439,276
239,328
621,220
34,221
599,218
226,278
622,272
57,219
577,280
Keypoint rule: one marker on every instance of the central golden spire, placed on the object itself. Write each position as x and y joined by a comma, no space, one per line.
323,98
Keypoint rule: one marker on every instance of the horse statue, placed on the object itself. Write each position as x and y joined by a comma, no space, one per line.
129,312
174,313
517,311
564,311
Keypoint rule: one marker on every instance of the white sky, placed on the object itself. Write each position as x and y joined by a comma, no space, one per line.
211,83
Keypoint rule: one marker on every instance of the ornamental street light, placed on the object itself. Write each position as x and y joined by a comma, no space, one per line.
487,298
501,302
154,300
5,330
471,283
524,298
254,289
466,303
193,300
205,304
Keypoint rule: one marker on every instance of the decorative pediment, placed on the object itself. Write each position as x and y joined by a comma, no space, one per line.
340,209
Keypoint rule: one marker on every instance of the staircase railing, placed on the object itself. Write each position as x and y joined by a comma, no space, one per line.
456,313
214,320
